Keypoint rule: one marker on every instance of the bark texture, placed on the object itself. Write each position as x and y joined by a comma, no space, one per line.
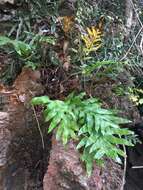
129,15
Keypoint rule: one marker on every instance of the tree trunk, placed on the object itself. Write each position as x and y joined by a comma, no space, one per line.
129,17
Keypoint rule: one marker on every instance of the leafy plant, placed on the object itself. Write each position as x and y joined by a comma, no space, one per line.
28,52
41,8
96,130
90,68
20,47
92,39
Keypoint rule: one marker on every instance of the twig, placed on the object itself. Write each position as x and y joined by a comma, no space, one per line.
128,51
38,124
125,168
19,28
137,33
137,167
12,30
141,45
136,13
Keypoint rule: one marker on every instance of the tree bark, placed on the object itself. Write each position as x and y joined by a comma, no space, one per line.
129,17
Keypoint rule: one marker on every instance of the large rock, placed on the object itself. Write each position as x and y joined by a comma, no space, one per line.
17,124
4,142
67,172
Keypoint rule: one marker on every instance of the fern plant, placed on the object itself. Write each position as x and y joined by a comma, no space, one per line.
88,69
21,48
95,129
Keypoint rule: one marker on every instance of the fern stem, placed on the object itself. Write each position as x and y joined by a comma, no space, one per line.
38,124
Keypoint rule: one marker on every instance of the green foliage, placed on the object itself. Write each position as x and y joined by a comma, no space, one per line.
41,8
106,60
120,90
20,47
29,51
136,95
115,46
90,68
96,129
87,12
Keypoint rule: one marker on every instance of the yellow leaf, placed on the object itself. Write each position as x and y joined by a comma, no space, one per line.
93,37
89,32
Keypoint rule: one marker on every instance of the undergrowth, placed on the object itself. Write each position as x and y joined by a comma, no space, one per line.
88,43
